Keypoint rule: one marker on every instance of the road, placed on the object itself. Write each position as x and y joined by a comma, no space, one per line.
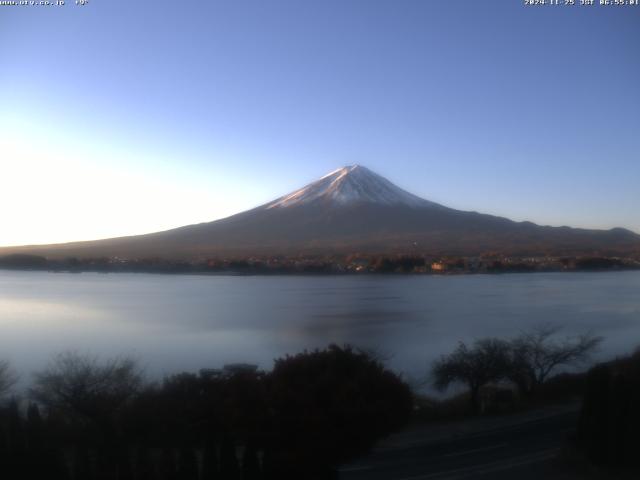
523,447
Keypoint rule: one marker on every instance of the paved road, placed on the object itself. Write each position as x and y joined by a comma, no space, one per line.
524,448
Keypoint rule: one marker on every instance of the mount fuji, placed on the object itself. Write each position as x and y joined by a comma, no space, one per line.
351,209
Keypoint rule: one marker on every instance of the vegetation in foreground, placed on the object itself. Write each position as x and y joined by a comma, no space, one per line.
502,375
98,420
492,368
610,418
90,419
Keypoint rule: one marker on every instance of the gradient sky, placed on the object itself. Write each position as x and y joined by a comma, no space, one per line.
124,117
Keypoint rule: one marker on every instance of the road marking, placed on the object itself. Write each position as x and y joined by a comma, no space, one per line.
487,467
356,469
455,435
475,450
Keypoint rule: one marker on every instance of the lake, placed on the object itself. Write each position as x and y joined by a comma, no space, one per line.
174,323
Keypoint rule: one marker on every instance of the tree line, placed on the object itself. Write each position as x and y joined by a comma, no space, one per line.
86,418
91,419
526,361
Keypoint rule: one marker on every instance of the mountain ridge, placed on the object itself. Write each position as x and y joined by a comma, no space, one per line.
351,209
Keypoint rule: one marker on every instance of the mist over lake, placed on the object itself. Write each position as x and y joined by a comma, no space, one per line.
173,323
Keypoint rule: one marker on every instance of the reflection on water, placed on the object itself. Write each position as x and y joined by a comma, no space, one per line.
40,313
186,322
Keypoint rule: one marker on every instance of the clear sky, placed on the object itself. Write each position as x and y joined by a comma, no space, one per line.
124,117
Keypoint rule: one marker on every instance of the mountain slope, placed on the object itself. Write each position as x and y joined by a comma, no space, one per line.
352,209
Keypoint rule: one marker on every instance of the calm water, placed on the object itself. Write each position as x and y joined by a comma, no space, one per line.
174,323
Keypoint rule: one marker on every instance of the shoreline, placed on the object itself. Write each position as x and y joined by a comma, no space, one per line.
301,273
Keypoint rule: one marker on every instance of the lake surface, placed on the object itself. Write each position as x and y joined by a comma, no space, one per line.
174,323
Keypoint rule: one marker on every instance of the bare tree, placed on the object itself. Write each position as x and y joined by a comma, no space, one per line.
486,361
7,377
83,386
537,353
377,354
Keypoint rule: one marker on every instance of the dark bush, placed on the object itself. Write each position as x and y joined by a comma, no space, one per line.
610,418
96,420
332,405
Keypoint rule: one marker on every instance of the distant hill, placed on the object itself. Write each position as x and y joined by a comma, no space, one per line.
351,209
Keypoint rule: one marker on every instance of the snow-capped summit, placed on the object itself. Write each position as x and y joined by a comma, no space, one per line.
353,184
